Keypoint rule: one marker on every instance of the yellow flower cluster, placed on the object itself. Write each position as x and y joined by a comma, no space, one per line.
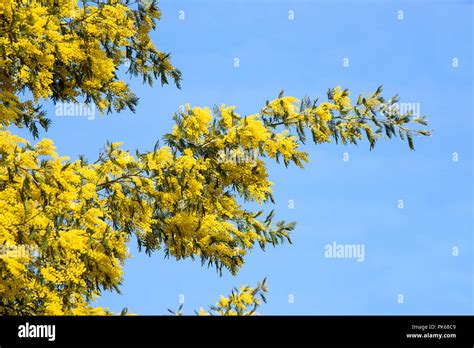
69,49
319,123
241,302
42,205
182,198
285,107
341,98
196,123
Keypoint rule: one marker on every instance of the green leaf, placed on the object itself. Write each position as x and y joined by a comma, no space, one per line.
410,141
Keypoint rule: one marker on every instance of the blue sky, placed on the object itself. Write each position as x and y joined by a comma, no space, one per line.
408,251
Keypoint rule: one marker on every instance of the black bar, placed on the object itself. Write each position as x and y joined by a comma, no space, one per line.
262,330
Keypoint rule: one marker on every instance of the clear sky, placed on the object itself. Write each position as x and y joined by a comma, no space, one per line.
408,251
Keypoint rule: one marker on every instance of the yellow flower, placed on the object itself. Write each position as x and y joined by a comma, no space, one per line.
247,298
202,312
223,302
226,120
343,101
